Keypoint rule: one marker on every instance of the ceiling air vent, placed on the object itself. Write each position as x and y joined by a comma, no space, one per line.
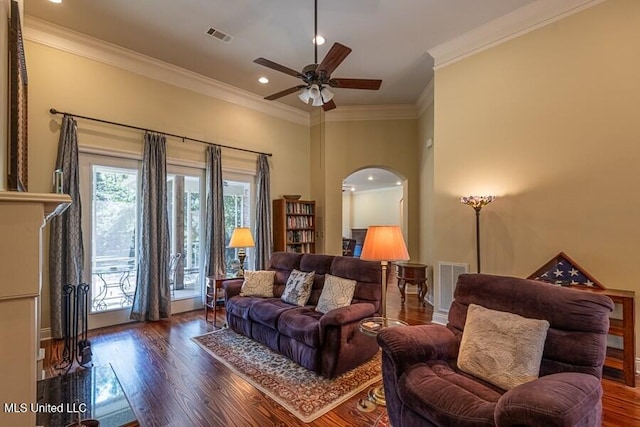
219,35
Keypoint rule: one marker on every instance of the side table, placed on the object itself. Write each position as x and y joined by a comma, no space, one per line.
416,274
214,284
371,326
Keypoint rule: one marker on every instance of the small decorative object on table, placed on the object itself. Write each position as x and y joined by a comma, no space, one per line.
291,196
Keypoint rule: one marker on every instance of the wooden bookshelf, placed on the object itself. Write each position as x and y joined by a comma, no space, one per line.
294,226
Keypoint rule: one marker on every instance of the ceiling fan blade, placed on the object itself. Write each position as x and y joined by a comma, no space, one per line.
335,56
270,64
370,84
284,92
329,105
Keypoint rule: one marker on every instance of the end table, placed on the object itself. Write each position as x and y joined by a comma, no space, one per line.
214,283
371,326
416,274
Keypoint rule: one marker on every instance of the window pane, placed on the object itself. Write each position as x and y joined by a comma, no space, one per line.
237,210
113,261
186,229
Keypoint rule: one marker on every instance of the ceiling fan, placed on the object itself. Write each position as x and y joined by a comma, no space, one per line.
317,77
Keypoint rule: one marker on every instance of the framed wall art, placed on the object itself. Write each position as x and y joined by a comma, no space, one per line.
18,142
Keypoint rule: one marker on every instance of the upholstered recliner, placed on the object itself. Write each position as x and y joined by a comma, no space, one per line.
425,387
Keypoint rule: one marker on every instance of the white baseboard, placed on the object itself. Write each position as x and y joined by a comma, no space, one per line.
637,366
45,334
440,318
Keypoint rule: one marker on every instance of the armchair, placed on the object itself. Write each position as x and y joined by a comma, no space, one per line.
424,386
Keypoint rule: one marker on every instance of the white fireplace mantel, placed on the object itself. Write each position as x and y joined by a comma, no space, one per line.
23,217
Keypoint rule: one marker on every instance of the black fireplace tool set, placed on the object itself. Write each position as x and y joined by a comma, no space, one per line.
77,346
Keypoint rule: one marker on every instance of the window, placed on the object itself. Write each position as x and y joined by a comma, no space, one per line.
110,188
111,207
237,208
186,230
114,212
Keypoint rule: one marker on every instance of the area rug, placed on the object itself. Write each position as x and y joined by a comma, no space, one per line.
304,393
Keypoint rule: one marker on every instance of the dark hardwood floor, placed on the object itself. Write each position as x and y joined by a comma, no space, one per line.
170,381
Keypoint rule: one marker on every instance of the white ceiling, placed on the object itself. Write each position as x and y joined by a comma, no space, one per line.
389,38
370,179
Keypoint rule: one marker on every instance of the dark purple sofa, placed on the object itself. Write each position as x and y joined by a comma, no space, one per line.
423,386
329,344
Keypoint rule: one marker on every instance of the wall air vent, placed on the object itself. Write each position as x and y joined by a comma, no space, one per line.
449,272
217,34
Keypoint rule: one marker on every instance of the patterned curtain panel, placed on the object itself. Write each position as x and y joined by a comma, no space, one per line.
214,246
152,300
66,253
263,215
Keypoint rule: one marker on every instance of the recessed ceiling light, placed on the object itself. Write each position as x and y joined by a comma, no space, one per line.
263,80
370,178
353,188
55,1
319,40
398,183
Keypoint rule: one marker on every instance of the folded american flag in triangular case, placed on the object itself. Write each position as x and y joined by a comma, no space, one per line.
562,270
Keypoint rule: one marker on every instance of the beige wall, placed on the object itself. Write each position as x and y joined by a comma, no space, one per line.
550,123
344,147
78,85
373,207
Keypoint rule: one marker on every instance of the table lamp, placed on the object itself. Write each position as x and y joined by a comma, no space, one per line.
384,243
241,239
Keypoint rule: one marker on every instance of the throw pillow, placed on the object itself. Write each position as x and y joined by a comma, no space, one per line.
258,284
337,292
502,348
298,288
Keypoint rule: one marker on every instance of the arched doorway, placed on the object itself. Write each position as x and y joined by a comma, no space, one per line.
370,196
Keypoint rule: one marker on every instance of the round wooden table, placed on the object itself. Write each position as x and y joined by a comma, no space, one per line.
414,273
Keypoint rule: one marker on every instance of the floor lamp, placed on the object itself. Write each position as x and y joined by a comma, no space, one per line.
241,239
383,243
477,203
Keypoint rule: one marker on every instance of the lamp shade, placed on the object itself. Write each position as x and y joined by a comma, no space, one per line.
384,243
314,91
241,238
327,95
304,96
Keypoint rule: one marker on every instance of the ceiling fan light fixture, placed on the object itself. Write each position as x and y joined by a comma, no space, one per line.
314,92
304,95
317,102
327,95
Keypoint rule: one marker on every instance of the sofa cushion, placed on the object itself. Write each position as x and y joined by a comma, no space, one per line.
337,292
239,306
258,284
268,311
298,287
301,324
502,348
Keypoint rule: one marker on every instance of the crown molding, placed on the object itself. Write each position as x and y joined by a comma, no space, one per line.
425,100
45,33
515,24
371,112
